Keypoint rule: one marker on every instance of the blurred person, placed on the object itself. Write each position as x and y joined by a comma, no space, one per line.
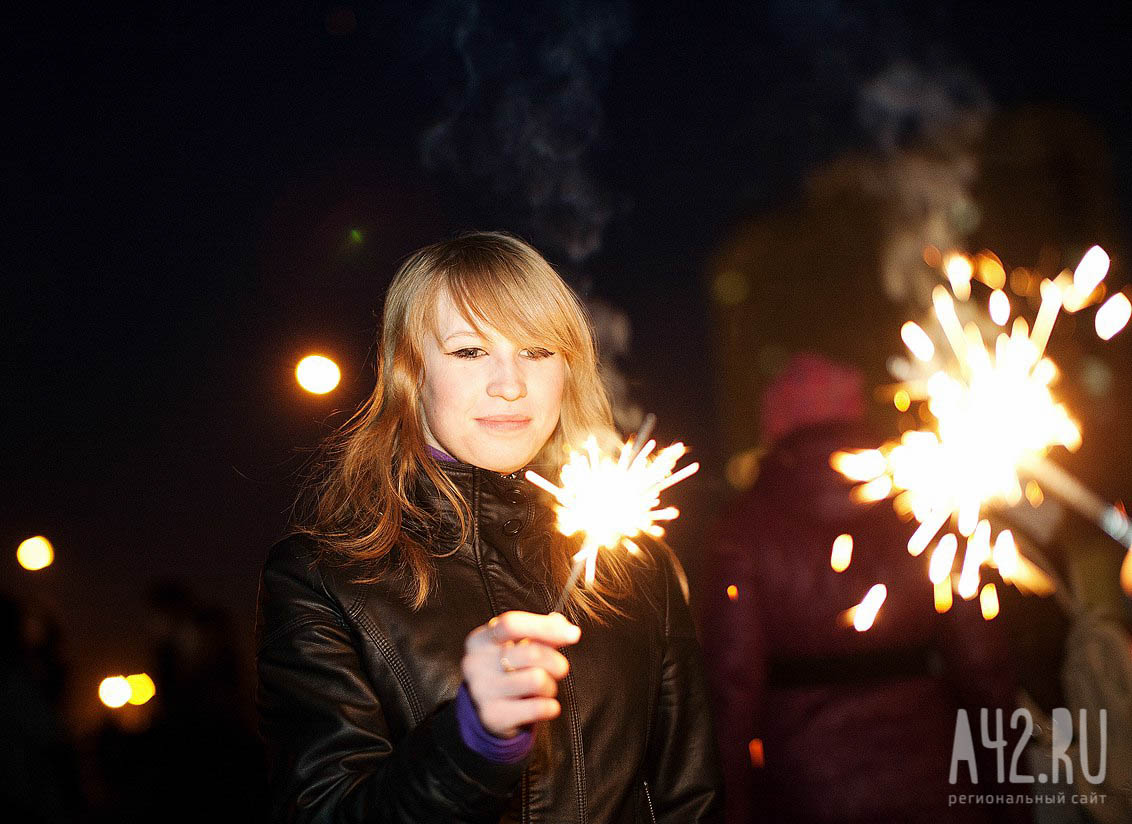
818,722
38,769
1076,654
408,669
192,753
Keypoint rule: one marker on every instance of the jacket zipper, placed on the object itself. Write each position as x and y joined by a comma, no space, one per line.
525,797
575,729
568,685
648,799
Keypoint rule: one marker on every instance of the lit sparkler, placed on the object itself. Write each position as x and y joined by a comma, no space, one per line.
995,418
611,500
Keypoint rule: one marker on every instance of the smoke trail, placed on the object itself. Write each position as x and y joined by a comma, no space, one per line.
529,113
918,113
925,124
523,122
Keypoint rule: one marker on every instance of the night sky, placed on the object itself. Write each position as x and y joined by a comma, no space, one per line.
181,188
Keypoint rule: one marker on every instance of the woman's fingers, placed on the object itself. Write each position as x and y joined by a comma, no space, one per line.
528,653
526,683
504,716
512,668
553,630
530,710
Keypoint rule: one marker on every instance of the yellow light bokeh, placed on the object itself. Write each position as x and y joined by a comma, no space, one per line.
917,341
317,374
959,271
991,271
1113,316
118,690
863,465
1004,555
999,306
943,557
1045,371
875,490
842,553
942,595
733,592
35,553
142,688
114,691
865,613
1086,278
988,602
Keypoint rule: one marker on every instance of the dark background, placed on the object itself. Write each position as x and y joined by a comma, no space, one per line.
182,183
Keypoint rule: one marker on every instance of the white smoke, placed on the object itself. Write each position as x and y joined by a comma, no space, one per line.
528,114
925,124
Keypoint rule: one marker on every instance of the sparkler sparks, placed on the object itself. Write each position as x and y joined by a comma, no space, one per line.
864,614
611,501
993,416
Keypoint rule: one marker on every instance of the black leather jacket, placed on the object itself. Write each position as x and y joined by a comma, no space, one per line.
356,689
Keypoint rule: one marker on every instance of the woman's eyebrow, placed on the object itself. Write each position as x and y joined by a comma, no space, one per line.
464,332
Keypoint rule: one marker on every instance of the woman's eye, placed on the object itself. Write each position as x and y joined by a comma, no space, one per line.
475,352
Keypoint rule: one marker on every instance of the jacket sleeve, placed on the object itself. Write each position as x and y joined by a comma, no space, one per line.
685,783
329,747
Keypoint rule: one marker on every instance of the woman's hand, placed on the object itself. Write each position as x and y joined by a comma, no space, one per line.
512,669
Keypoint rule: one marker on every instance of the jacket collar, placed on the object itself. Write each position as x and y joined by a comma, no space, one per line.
511,516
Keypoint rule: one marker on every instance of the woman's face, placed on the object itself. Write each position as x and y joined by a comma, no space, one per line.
488,401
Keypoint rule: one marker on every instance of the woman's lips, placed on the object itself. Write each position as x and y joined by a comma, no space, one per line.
504,423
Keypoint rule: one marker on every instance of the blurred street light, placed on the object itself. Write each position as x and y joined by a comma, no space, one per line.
114,692
317,375
142,688
119,690
35,553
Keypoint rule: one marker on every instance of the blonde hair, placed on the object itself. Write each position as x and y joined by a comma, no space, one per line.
361,500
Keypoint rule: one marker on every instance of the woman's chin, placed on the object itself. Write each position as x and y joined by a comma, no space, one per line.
502,461
503,467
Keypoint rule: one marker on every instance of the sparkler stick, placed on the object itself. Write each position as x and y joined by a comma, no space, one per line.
643,432
571,582
1081,499
612,501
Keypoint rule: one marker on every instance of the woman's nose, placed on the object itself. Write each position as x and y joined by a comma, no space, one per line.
507,380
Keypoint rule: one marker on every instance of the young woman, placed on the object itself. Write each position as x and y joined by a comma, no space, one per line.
408,669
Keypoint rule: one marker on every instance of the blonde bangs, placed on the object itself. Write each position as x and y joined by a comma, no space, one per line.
522,300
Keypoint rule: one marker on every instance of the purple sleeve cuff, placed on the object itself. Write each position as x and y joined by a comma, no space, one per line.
479,740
